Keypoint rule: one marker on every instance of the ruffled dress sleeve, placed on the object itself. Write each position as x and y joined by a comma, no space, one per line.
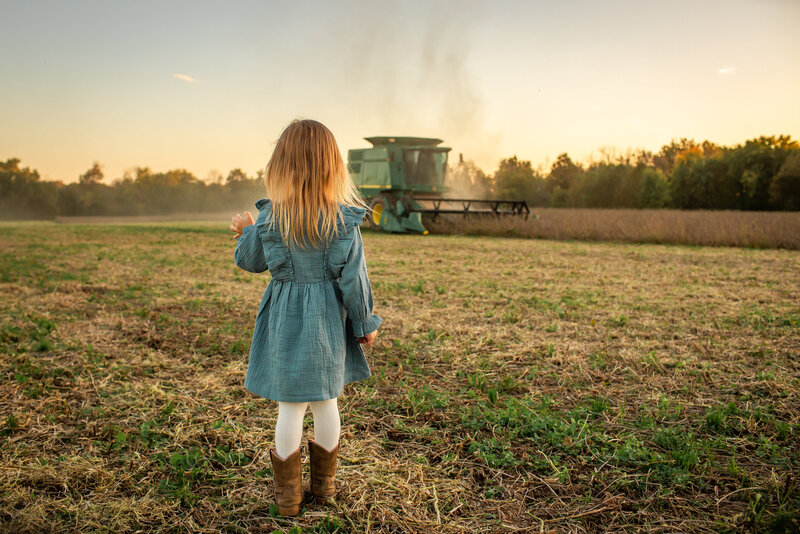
249,253
356,290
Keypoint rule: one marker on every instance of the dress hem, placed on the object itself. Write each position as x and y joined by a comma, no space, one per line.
306,398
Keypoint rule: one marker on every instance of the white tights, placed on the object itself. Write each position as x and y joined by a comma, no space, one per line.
289,428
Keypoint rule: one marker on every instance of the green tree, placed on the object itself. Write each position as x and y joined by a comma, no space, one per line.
626,194
23,195
89,196
784,191
653,190
704,182
720,183
609,185
515,179
689,183
595,188
93,176
578,193
754,165
236,177
562,172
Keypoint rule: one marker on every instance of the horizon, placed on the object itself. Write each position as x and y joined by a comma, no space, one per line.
603,154
208,88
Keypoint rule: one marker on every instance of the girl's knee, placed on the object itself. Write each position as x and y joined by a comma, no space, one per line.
324,405
292,408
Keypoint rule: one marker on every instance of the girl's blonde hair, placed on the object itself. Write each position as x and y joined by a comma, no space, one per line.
306,180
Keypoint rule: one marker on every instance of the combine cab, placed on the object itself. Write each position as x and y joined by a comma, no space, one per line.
404,177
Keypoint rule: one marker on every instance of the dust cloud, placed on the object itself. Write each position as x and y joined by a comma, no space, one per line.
405,72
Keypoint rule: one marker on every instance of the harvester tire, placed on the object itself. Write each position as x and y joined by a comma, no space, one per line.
376,207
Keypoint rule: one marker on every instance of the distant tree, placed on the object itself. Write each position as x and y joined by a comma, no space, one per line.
689,182
93,176
670,154
611,155
720,184
653,190
645,158
753,167
14,180
236,176
664,160
173,191
515,179
558,198
784,191
89,196
578,194
627,192
563,172
23,195
595,188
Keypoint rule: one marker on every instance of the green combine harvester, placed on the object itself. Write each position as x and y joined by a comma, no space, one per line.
404,178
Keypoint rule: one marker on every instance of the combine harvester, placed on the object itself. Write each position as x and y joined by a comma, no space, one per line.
404,177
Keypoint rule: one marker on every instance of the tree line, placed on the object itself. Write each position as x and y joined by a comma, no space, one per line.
23,195
762,174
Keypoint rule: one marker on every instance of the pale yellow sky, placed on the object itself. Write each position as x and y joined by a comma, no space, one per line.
209,86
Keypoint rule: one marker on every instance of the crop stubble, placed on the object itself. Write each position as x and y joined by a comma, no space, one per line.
517,384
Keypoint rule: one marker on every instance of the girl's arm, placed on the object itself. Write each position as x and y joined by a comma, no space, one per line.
249,253
357,292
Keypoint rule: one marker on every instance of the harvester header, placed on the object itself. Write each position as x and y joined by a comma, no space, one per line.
403,178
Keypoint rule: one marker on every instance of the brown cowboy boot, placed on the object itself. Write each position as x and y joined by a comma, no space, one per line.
323,470
287,477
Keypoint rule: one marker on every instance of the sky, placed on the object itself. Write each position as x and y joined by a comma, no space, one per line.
209,86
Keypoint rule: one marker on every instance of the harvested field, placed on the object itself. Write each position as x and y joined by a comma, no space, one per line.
677,227
136,219
518,385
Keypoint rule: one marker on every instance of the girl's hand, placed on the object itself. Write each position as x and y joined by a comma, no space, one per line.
239,223
369,338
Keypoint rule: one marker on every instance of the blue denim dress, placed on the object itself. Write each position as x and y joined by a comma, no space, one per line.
316,306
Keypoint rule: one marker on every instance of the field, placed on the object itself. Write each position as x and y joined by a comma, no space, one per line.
687,227
518,385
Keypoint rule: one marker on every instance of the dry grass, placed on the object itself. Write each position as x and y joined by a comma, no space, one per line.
706,228
137,219
518,385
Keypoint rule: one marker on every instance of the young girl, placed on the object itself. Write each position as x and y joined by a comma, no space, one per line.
317,308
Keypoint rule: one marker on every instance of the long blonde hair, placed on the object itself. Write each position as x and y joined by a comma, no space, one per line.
306,180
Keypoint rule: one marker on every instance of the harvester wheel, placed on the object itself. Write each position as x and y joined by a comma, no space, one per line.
376,207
